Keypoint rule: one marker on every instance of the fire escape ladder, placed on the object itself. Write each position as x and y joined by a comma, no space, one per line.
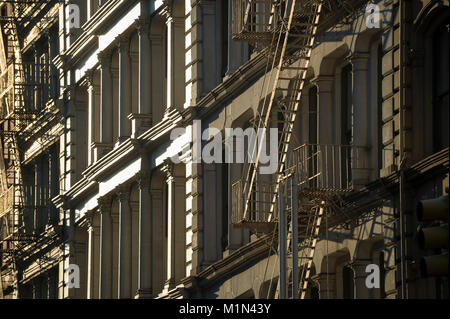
17,119
297,30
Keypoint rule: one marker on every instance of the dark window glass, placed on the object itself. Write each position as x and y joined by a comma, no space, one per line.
348,283
440,88
346,125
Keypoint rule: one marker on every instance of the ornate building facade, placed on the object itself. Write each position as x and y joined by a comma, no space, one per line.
101,190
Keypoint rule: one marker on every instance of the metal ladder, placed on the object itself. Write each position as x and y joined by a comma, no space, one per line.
307,246
18,122
303,224
295,32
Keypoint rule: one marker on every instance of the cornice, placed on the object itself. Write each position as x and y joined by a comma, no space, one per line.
89,35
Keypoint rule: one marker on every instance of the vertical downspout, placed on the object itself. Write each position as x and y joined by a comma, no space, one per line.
402,159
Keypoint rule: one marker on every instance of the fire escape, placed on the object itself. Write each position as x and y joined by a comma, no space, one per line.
17,114
307,193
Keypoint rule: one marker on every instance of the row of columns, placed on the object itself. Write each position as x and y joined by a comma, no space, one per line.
150,85
160,246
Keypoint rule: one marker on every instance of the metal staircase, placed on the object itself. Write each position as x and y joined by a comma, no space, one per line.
294,202
312,222
288,29
292,26
301,220
15,118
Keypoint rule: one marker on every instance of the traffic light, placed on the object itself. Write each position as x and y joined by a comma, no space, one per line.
434,212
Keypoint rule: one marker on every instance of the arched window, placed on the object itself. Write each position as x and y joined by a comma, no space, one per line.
312,133
312,119
346,124
314,292
440,87
348,283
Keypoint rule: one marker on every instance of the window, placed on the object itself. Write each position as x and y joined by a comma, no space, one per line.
224,37
348,282
40,185
44,77
314,292
382,292
225,184
312,123
380,107
346,124
312,135
440,87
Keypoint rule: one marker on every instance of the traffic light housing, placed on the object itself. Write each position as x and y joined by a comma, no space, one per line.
433,209
435,237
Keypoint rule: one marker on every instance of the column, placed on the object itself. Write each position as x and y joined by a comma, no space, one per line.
124,242
360,158
158,69
104,206
143,120
37,194
115,73
54,183
325,109
359,269
176,247
37,79
92,7
52,53
159,243
326,130
106,129
93,90
175,62
124,88
71,134
93,233
134,207
327,285
145,236
115,244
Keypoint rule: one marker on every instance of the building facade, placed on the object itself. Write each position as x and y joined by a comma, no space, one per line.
112,80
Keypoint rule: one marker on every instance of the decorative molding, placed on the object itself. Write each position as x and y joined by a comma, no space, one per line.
104,203
123,192
142,26
104,58
123,43
143,179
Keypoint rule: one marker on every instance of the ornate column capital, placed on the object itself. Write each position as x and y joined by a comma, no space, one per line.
168,169
123,193
172,172
104,58
143,179
123,44
90,216
142,26
104,203
90,78
166,11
